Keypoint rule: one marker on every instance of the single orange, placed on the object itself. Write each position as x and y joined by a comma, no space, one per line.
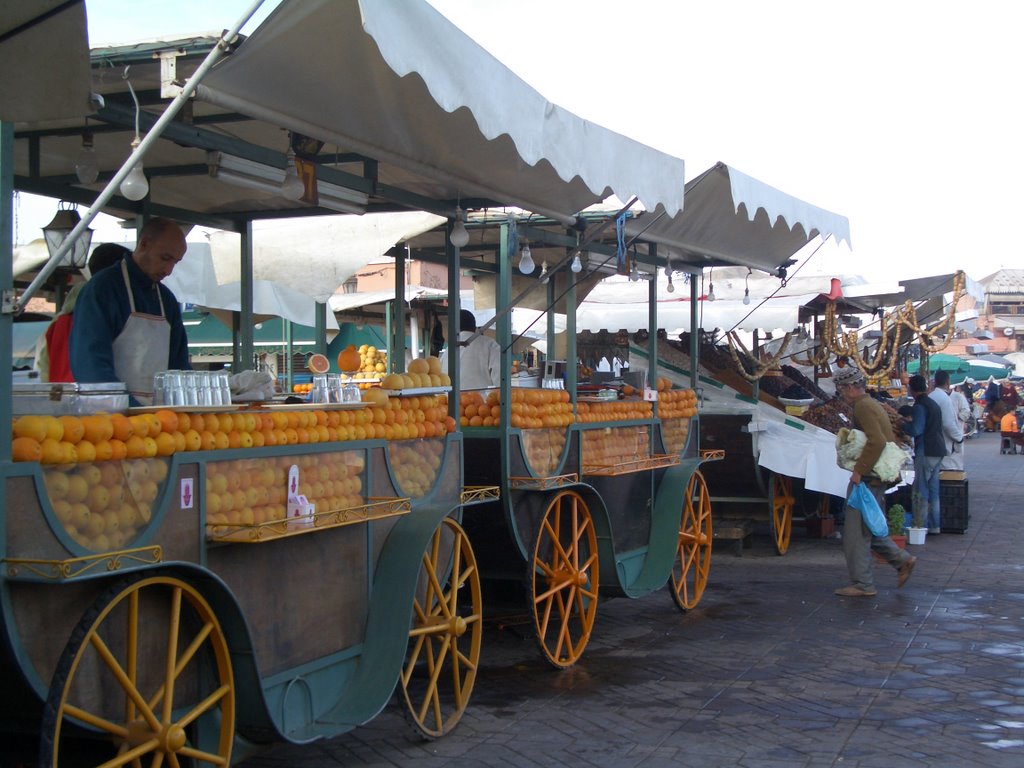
74,429
118,449
123,427
26,449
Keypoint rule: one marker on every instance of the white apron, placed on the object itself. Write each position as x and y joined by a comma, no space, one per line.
142,348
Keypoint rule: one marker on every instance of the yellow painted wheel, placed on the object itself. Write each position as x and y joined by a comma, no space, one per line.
444,641
782,501
147,671
564,579
693,551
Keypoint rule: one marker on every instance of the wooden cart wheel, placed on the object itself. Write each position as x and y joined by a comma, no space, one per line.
782,501
693,551
147,671
564,579
444,641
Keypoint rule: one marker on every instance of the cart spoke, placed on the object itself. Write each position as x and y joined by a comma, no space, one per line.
174,624
186,657
197,754
132,755
122,678
158,760
132,652
96,721
205,705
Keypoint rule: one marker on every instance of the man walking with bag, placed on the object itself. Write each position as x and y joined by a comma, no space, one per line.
858,542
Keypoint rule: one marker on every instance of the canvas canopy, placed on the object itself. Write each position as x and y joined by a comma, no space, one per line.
733,218
396,81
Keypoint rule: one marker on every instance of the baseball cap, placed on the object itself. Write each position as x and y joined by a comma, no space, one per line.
848,375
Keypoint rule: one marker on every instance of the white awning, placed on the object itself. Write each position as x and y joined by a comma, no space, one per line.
396,81
733,218
44,58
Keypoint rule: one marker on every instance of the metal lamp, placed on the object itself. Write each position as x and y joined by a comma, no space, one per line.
57,231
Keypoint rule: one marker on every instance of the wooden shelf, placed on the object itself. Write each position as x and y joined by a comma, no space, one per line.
657,461
280,529
62,570
542,483
477,494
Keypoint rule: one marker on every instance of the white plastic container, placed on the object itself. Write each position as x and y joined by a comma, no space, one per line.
916,536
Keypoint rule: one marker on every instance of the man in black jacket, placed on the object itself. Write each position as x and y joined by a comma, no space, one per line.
925,427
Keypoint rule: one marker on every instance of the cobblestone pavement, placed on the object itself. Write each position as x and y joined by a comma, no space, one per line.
771,671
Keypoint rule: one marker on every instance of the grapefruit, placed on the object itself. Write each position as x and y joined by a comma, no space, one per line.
318,363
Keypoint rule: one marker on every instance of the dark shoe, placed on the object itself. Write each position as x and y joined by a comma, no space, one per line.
904,571
855,591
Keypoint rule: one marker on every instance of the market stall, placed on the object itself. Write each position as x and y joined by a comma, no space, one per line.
163,567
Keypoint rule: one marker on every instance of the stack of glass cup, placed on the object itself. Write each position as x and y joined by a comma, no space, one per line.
199,388
329,388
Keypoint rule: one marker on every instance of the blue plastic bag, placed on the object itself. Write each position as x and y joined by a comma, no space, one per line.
870,512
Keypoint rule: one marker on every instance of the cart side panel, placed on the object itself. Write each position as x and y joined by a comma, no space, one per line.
487,524
628,499
736,475
304,598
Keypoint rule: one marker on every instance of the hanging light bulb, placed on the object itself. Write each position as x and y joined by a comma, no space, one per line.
577,265
671,288
86,167
746,286
544,271
135,186
634,272
291,185
711,291
459,236
526,265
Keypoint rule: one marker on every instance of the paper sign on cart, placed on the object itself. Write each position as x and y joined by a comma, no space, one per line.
188,497
650,395
300,511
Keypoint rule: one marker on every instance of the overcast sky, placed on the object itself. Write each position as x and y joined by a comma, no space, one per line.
902,116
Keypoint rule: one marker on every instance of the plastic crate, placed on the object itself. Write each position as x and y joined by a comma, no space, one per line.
953,510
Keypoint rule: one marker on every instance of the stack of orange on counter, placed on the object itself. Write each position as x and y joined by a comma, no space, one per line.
106,436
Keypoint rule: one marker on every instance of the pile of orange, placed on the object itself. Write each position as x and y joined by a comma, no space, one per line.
531,409
616,445
415,465
613,410
115,436
105,506
255,491
677,404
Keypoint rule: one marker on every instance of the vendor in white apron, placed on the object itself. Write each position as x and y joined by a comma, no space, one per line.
127,325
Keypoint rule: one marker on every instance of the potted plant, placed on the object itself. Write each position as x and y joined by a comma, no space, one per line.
897,519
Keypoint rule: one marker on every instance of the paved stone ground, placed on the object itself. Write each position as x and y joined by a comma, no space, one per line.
771,671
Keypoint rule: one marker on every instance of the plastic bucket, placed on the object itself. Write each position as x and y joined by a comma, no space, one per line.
916,535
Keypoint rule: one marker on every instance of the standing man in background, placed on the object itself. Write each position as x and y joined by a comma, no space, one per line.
127,325
479,359
925,427
952,425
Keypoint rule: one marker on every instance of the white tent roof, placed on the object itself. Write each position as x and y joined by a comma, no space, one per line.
736,218
45,61
395,80
315,256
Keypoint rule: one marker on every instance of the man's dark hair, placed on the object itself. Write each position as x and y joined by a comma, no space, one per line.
941,378
467,321
106,255
918,384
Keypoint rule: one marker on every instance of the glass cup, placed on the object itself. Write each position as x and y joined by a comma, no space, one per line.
320,392
160,388
224,385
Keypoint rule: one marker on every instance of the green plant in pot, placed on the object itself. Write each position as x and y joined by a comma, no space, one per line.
897,519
